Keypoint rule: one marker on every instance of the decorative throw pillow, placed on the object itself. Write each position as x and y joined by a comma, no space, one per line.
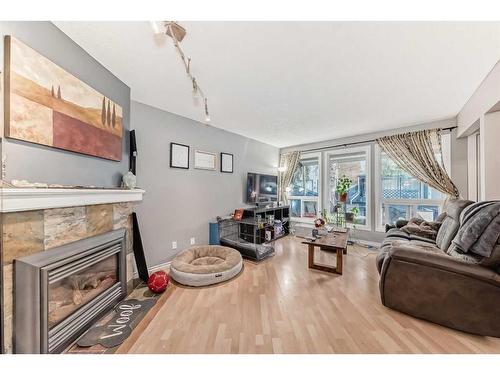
422,229
411,228
416,220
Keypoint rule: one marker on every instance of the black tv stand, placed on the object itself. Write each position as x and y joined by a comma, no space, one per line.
267,204
248,235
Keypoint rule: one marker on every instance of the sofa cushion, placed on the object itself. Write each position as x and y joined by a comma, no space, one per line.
393,242
493,261
414,237
451,223
410,240
389,241
424,229
479,228
395,237
398,233
468,258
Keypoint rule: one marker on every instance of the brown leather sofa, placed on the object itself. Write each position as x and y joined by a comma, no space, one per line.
430,280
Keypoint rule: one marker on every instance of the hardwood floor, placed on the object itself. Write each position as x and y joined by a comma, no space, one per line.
280,306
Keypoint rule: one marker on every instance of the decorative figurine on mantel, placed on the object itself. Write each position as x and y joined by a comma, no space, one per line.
129,181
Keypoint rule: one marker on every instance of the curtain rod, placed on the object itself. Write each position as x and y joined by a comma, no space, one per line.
450,128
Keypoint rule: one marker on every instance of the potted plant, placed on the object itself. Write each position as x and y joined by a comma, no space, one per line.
343,185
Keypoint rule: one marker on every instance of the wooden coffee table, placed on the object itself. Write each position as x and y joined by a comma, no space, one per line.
335,242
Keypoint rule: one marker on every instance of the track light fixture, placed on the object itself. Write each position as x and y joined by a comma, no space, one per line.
207,115
177,33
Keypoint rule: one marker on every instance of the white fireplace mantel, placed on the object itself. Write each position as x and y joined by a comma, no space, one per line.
28,199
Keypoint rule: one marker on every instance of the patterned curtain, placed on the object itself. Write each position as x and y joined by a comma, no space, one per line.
415,153
288,165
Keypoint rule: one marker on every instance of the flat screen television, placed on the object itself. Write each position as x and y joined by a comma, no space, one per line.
261,188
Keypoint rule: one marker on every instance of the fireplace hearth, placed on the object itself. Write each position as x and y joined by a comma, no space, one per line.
59,293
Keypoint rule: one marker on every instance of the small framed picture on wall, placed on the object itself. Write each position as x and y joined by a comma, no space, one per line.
205,160
179,156
226,162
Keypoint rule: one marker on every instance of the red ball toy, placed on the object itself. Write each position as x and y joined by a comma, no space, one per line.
158,282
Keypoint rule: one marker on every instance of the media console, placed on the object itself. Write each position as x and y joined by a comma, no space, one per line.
254,234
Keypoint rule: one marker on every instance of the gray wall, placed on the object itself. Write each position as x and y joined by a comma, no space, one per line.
38,163
458,164
178,203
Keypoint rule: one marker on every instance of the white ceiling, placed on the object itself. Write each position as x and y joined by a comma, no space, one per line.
287,83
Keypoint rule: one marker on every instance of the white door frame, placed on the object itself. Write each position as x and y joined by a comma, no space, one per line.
326,187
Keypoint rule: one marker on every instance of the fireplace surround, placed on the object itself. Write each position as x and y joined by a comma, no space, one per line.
35,220
60,292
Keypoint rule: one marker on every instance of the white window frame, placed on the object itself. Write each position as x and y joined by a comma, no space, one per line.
404,202
318,199
368,191
474,166
379,225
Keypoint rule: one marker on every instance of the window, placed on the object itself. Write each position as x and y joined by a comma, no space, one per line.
355,164
402,196
304,190
393,195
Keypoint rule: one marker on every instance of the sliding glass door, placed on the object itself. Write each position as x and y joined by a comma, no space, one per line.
353,163
304,191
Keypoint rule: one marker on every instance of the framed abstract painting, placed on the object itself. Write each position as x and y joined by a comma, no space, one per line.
45,104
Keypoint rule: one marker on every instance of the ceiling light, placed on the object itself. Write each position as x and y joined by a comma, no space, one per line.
207,115
174,30
157,29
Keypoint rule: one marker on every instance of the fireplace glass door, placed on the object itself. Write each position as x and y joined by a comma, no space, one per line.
74,290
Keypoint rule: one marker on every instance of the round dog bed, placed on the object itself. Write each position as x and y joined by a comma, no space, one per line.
206,265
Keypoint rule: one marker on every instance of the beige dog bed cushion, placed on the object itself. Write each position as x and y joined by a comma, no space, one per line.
206,265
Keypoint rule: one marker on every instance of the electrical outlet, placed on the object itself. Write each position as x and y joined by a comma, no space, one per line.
174,245
193,241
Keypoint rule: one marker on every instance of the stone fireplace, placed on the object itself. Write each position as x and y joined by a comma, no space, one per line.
73,248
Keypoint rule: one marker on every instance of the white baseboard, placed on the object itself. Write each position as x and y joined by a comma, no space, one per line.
162,266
